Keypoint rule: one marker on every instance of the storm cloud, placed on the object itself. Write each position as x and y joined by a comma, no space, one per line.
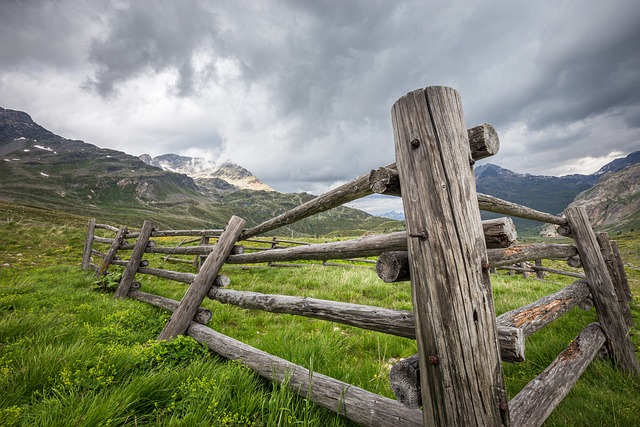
300,92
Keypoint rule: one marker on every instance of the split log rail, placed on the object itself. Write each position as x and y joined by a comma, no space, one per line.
446,252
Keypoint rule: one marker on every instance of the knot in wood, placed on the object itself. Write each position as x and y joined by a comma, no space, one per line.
433,360
415,143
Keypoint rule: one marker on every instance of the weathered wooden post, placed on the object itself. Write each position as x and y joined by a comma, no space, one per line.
134,260
462,383
88,244
602,288
179,321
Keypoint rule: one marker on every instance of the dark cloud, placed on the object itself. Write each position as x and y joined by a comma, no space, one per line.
300,92
152,37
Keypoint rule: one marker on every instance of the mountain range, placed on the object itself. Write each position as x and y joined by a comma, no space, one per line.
40,168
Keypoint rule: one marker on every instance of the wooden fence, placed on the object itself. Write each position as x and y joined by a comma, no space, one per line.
447,255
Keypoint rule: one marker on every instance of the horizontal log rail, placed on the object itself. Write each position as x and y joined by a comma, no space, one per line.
537,315
395,322
394,267
352,402
534,403
386,181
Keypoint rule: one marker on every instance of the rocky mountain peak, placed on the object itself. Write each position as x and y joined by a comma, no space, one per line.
227,176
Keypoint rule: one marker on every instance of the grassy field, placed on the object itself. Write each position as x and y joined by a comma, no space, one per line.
71,355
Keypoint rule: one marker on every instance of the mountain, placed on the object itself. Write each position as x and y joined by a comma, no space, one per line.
208,174
42,169
614,202
610,195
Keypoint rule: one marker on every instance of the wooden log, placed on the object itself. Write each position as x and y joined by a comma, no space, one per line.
602,289
541,396
494,204
386,181
179,233
111,252
220,281
574,261
610,259
621,271
202,315
354,403
499,232
190,250
98,239
179,321
538,268
455,320
483,141
497,258
535,316
404,376
393,266
88,244
395,322
516,254
134,260
108,227
361,247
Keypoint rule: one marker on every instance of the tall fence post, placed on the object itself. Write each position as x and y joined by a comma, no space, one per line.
88,244
179,321
603,291
461,375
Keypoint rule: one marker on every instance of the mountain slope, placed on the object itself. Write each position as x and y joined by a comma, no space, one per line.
40,168
614,202
549,194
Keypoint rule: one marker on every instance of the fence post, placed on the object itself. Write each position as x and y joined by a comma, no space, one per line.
88,244
117,242
179,321
461,374
134,260
602,290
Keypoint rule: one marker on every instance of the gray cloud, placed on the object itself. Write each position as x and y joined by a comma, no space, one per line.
300,92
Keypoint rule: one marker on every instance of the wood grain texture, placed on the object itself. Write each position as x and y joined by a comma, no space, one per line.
542,395
179,321
453,303
610,259
535,316
603,291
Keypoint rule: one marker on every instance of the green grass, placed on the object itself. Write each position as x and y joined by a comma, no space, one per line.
73,356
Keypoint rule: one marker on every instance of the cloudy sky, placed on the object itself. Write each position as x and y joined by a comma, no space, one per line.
300,92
